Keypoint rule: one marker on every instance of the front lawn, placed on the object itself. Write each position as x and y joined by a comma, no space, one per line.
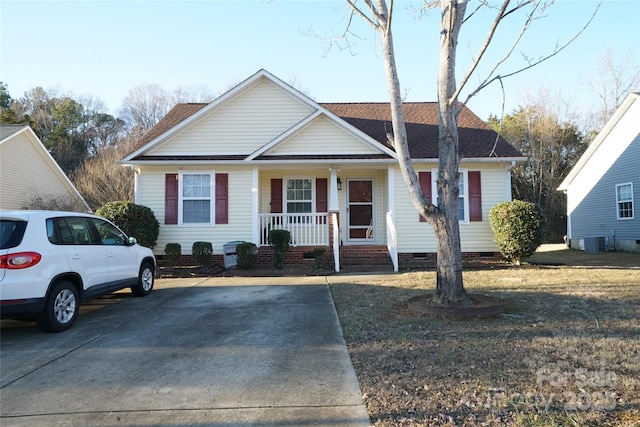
566,353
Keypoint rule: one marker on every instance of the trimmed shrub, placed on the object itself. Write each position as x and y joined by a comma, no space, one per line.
202,252
172,253
247,256
319,258
518,227
135,220
279,239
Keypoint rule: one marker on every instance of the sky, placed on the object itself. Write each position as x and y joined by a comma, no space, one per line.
106,48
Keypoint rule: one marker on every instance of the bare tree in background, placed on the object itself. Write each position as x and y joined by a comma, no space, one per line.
444,217
614,81
101,180
547,131
145,105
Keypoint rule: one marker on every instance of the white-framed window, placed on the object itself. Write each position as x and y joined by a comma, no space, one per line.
299,197
196,198
624,200
463,197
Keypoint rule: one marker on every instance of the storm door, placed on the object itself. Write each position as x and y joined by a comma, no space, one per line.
360,210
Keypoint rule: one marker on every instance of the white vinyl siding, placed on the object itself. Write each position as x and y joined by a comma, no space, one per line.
476,236
27,172
152,180
239,126
323,137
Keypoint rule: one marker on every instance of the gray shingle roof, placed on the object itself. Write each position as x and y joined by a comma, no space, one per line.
477,139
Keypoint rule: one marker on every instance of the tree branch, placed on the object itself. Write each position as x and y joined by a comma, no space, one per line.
499,17
556,51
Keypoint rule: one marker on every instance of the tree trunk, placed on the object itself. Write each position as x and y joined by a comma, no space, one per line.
449,285
444,217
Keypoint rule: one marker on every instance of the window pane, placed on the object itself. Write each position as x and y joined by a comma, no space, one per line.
626,210
196,211
299,195
360,215
299,207
624,192
196,185
461,209
360,191
109,234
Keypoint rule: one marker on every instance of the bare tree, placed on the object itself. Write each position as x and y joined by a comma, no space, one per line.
614,81
101,180
547,131
145,105
444,217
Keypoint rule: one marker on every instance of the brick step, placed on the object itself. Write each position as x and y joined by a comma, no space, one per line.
365,268
354,261
365,261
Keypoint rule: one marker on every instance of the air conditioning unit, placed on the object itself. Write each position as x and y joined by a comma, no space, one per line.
595,244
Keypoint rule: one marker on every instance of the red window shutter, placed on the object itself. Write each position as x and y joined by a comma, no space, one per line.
222,198
475,196
322,204
171,198
276,196
425,185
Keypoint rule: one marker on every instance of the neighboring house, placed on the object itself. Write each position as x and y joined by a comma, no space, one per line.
603,188
264,156
29,176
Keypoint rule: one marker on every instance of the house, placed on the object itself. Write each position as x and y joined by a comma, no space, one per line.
30,177
264,156
603,188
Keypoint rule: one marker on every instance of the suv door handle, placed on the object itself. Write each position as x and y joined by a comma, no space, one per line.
111,254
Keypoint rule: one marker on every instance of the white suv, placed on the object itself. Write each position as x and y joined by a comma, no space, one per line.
51,261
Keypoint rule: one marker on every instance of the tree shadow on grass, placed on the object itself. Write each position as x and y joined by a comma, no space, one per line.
548,352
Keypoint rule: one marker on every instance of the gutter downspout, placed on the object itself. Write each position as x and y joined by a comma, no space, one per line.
136,184
507,179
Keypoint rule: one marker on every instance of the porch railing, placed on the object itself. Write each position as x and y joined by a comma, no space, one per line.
306,229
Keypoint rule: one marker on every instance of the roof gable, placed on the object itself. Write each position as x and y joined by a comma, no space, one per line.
21,141
614,137
249,108
250,120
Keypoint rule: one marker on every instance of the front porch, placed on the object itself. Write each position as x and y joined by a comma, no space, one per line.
322,230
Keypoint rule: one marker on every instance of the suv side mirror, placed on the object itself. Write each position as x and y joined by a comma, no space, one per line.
131,241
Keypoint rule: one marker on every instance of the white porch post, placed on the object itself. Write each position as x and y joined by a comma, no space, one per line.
392,236
255,219
333,209
333,190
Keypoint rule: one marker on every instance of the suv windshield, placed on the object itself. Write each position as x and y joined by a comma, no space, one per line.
11,233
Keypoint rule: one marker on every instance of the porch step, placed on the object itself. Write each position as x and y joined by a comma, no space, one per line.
366,268
365,259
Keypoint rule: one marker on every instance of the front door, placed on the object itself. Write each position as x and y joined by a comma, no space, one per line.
360,210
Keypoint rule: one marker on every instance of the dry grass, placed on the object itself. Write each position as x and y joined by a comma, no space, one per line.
566,354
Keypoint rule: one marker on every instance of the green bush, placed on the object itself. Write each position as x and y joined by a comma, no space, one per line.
247,255
279,239
202,252
319,255
172,253
518,227
135,220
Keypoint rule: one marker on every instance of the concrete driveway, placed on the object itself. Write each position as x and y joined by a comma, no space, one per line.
196,352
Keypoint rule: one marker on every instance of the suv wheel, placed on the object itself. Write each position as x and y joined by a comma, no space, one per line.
61,308
145,280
